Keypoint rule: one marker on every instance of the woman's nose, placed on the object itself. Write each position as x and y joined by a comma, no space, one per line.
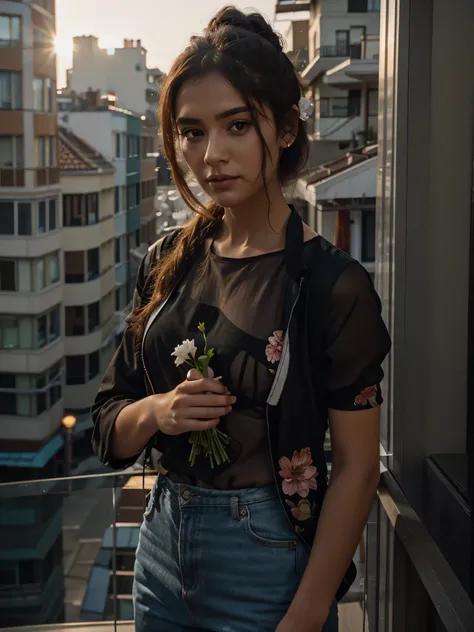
216,151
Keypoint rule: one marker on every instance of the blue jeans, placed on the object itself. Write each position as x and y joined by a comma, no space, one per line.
218,561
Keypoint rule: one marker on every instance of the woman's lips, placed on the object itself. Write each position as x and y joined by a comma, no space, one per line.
222,184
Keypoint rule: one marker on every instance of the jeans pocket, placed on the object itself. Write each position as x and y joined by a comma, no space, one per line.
150,502
267,529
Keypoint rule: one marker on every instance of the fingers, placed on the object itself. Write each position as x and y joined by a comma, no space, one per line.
208,400
194,374
202,385
206,412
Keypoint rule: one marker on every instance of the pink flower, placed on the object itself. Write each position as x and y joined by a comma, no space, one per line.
273,349
367,395
299,475
303,511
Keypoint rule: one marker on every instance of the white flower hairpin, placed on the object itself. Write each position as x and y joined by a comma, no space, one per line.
306,108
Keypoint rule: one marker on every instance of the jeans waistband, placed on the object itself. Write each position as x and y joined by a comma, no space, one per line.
189,495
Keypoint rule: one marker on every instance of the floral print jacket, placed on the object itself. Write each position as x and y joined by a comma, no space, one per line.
328,355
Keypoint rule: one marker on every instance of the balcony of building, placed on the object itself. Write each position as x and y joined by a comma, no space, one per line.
291,6
354,71
15,177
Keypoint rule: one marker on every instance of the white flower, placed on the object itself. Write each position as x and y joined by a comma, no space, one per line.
186,350
306,108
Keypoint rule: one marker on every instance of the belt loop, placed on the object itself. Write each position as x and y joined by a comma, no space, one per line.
234,507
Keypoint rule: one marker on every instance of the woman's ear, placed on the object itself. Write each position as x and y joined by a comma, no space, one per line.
290,127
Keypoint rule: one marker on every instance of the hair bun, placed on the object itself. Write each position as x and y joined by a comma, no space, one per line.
252,22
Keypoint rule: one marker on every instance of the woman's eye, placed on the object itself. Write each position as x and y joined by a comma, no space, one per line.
240,126
191,134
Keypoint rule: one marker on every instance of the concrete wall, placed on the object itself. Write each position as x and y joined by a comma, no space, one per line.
123,72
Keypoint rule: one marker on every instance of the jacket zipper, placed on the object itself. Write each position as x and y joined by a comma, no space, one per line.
268,421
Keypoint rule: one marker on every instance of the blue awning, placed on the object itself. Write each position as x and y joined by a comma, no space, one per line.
33,459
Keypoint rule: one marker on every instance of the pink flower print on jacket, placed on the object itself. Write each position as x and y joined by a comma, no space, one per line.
274,347
299,474
367,395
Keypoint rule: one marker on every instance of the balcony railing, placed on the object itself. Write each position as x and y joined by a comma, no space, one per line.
338,107
353,51
16,176
67,550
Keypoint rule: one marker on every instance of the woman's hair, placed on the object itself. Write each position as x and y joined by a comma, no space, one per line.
248,53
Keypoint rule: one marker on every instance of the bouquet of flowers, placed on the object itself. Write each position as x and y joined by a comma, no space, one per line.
212,442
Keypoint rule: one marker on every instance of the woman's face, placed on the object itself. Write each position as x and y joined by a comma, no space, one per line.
220,142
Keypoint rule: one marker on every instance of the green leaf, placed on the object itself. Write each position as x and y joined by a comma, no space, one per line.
204,360
210,353
202,328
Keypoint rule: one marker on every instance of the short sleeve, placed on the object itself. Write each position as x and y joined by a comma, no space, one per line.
355,342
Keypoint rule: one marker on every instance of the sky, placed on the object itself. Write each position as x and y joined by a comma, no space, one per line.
164,26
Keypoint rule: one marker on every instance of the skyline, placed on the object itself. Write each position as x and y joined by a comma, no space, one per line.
163,32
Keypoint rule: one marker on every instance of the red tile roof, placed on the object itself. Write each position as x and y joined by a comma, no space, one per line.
77,155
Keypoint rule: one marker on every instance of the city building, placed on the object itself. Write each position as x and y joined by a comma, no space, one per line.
87,181
340,43
122,71
128,142
31,313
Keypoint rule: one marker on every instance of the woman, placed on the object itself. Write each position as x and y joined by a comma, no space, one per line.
298,339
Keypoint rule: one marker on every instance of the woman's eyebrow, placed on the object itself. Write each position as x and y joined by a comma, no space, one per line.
186,120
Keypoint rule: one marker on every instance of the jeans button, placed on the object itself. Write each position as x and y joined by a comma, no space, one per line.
185,494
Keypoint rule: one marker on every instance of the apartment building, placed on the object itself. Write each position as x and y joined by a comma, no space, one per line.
122,71
31,312
117,135
337,192
87,181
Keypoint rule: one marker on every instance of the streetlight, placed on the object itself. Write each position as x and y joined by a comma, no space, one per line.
68,423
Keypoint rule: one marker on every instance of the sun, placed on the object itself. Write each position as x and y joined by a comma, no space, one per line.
63,47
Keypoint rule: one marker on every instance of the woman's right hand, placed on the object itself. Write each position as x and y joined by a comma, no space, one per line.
192,405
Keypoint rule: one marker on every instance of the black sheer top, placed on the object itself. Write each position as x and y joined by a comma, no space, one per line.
241,303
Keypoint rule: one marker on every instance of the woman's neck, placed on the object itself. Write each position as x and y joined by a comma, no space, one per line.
253,228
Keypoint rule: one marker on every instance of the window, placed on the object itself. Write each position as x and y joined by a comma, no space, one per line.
41,331
48,89
11,151
24,218
117,250
353,102
9,338
10,30
75,369
116,200
373,5
46,391
53,262
80,210
42,216
74,264
16,332
373,96
75,321
38,95
10,90
93,270
52,215
40,275
357,6
117,145
342,43
368,236
93,316
7,218
7,275
94,364
117,300
45,151
137,238
54,324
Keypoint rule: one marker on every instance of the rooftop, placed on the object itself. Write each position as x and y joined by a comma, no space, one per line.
77,155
